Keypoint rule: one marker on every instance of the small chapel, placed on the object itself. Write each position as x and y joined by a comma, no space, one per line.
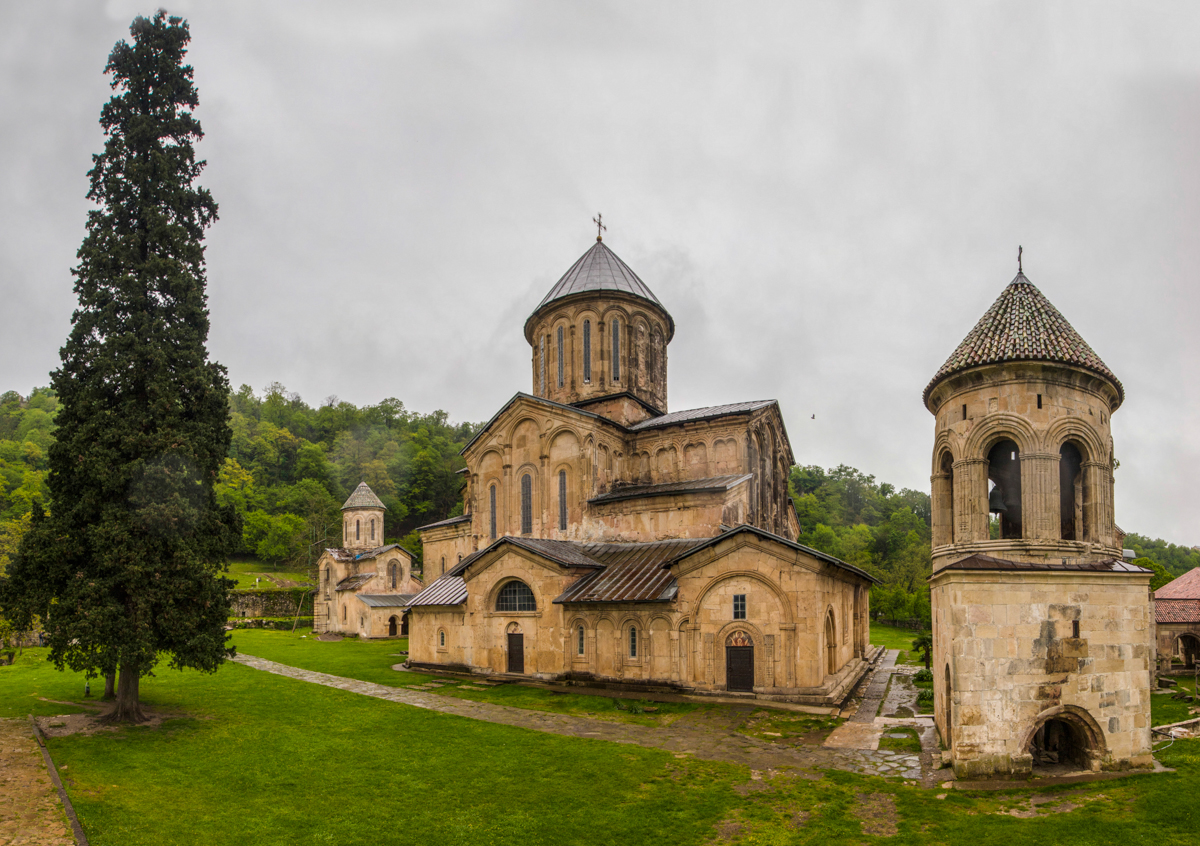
1043,635
364,585
605,538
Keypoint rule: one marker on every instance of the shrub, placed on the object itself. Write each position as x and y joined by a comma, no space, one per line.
923,675
925,694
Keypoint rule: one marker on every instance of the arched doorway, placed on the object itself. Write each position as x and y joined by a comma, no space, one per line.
1065,738
830,645
392,626
1189,648
404,625
739,662
516,648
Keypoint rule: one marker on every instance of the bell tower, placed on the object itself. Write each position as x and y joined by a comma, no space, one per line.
362,520
1023,451
1042,643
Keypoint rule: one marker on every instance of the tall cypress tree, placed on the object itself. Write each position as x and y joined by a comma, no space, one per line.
128,563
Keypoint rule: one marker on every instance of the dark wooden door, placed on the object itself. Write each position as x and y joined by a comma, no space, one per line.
739,668
516,653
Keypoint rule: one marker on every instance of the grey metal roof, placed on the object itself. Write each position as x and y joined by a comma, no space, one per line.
707,413
449,521
363,497
386,600
1022,325
987,562
633,572
599,269
447,590
354,582
710,485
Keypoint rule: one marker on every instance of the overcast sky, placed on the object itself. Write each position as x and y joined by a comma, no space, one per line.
826,196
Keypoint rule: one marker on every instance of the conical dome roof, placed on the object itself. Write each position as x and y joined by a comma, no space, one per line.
600,269
363,497
1022,325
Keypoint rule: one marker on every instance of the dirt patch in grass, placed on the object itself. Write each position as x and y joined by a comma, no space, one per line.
727,830
1044,804
64,725
789,728
877,813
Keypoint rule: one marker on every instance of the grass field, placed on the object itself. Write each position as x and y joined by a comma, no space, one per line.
245,570
890,637
249,757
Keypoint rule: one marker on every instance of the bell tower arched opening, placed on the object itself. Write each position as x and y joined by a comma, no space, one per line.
1004,482
1070,493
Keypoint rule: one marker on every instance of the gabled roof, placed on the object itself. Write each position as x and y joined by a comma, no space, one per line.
386,600
706,413
599,269
449,521
1176,610
342,554
1186,586
354,582
711,485
363,497
1022,325
987,562
447,590
519,395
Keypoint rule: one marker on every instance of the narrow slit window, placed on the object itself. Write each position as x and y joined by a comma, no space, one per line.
562,500
587,350
526,504
964,411
1039,400
542,363
443,563
561,358
739,606
616,350
357,529
372,528
633,644
492,504
1074,628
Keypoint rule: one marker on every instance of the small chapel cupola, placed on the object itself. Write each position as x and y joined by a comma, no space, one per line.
599,340
362,519
1023,456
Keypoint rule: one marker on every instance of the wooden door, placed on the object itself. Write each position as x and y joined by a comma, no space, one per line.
516,653
739,668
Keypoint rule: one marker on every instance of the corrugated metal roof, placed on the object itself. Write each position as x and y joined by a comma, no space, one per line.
600,269
449,521
714,483
386,600
1022,325
634,572
354,582
1176,610
987,562
676,417
447,590
1186,586
363,497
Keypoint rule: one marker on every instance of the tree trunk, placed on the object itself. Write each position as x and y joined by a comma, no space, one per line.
126,708
110,687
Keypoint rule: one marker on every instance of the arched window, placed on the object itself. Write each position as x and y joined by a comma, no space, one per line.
1070,492
357,528
1004,498
441,638
616,350
492,498
343,613
542,363
830,644
633,644
561,361
443,563
562,500
326,577
372,528
392,568
516,596
526,504
579,644
587,351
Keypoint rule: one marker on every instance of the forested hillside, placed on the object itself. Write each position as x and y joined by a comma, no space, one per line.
291,466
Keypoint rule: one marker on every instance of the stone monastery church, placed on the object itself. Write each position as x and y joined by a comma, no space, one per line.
607,538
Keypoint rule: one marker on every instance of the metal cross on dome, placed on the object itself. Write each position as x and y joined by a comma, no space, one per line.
600,227
1020,250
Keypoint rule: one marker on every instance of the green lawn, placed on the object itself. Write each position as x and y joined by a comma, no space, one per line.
245,570
1165,710
890,637
250,757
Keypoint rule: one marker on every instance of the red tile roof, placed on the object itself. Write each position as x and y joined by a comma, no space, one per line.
1186,586
1176,610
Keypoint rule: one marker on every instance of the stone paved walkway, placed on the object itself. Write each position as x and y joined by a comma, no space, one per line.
711,734
876,689
30,811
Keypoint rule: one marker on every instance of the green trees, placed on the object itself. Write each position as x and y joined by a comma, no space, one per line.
128,562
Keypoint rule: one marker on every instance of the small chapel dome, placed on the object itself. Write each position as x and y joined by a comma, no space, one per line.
599,270
363,497
1022,325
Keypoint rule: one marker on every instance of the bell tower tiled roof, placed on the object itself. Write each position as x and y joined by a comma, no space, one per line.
599,270
363,497
1022,325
